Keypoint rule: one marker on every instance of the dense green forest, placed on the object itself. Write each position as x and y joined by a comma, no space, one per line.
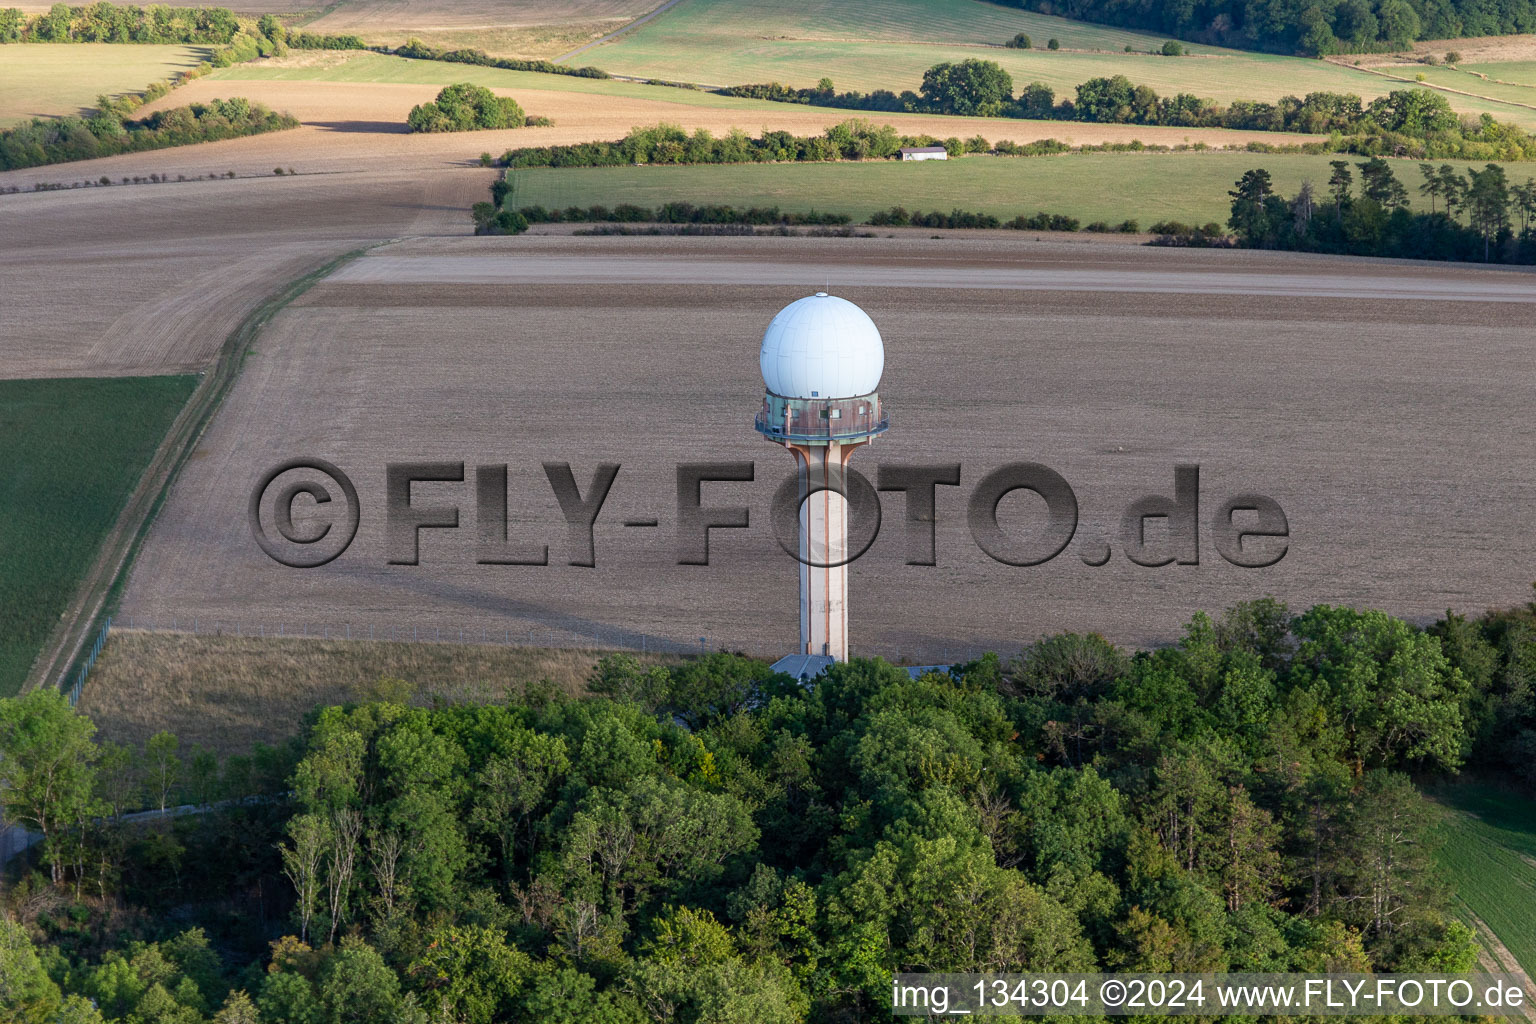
712,842
1478,216
1302,26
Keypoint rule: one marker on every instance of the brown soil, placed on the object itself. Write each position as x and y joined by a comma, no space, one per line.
151,278
1367,398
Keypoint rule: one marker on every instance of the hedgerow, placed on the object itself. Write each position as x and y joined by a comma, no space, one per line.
105,132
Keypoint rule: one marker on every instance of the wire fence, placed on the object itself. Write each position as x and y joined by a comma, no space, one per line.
85,667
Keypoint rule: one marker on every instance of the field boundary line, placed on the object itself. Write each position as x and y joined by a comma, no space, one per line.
102,583
1432,85
617,32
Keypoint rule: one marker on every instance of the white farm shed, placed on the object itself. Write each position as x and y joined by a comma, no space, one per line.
924,153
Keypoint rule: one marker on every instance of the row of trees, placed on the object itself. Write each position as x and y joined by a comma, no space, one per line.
1313,27
854,139
493,219
104,22
417,50
1413,122
710,841
105,132
1476,215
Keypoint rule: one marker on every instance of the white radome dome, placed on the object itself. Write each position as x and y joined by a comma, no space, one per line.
822,346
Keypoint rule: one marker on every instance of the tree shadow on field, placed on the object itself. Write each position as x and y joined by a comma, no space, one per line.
362,127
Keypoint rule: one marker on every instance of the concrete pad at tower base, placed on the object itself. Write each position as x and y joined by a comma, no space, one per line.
804,667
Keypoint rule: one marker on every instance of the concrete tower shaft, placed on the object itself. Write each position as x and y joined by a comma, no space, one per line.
822,359
823,547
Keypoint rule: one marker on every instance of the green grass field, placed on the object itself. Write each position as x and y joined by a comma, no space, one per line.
1489,857
1148,187
702,22
71,452
44,80
1455,78
1520,72
887,44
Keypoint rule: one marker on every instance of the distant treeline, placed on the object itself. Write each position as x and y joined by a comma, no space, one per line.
1412,122
417,50
1313,27
1477,216
108,23
490,219
105,132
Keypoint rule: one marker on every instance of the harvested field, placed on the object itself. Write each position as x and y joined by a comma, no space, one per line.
357,126
375,15
362,15
1481,49
367,109
46,80
145,279
1367,398
532,42
228,693
99,301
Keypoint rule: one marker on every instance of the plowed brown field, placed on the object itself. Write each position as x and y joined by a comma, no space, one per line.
152,278
1374,401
